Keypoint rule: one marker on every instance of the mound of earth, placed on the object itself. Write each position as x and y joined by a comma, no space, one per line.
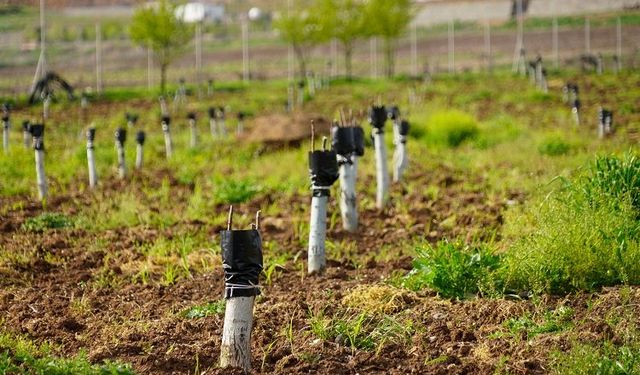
281,129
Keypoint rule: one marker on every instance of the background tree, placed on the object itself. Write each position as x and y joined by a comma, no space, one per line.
158,28
388,19
346,21
302,30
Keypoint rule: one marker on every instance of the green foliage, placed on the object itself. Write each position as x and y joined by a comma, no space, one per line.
552,321
47,220
388,19
453,269
451,128
203,311
235,191
496,131
301,29
158,28
586,234
21,356
554,145
607,359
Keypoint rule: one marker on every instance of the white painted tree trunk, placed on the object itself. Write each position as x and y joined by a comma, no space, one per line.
41,178
400,153
26,137
122,167
382,174
348,202
317,234
222,128
139,156
576,115
193,143
213,127
235,350
93,174
240,127
168,145
5,136
45,108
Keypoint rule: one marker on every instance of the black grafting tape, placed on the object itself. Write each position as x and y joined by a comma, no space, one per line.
5,118
166,120
26,124
342,141
37,132
377,116
131,117
323,168
140,137
358,140
121,135
212,112
576,104
91,134
393,113
404,128
191,115
241,261
241,116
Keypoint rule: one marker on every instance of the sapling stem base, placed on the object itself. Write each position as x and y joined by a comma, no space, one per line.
139,156
168,144
382,174
122,166
93,174
317,234
348,203
41,178
193,143
235,350
213,127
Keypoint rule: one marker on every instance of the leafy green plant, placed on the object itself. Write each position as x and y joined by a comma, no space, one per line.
235,191
552,321
607,359
203,311
453,269
47,220
554,145
451,128
584,235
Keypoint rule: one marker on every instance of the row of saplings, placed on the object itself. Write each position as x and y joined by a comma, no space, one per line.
33,136
242,250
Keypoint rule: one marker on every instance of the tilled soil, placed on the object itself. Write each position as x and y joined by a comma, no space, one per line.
49,297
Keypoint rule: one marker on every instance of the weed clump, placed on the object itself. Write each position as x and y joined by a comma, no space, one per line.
554,146
203,311
377,299
451,128
235,191
453,269
47,220
585,235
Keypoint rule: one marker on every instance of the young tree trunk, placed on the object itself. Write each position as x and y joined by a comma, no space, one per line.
163,77
348,55
301,61
390,55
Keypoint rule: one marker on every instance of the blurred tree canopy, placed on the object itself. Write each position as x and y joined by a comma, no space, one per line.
347,21
156,27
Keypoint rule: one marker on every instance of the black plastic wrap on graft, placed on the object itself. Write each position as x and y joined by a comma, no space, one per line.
131,117
377,116
241,116
5,118
403,130
393,113
342,141
166,121
140,138
576,104
221,112
121,135
91,135
37,132
241,261
191,116
26,124
358,140
212,112
323,168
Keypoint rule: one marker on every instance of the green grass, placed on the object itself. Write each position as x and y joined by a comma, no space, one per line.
453,269
584,235
552,321
604,359
554,145
47,220
19,355
205,310
451,128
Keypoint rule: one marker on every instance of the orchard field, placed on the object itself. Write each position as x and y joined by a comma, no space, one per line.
512,244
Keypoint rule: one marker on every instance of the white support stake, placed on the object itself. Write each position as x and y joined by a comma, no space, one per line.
400,153
348,201
317,235
93,174
382,174
235,350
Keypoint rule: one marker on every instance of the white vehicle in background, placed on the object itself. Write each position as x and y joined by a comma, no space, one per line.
200,12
